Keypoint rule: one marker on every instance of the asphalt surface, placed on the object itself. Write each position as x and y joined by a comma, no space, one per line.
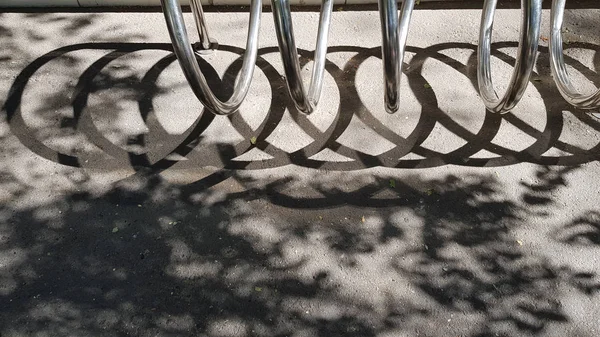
128,211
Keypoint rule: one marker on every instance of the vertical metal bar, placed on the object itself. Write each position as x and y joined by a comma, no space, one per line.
392,67
201,26
316,83
394,31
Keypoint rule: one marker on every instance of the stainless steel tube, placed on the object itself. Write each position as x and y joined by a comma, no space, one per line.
289,54
394,31
557,63
526,55
201,26
191,69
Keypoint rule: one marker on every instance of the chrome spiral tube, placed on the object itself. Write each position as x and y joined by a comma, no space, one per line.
394,32
557,63
289,54
526,55
189,64
394,29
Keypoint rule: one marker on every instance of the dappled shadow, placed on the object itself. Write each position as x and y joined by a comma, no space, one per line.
583,230
105,231
432,257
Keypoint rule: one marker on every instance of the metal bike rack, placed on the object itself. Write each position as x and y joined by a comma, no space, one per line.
557,63
187,56
289,54
526,55
394,30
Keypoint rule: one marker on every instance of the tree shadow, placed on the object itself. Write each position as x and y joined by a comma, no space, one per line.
582,231
240,250
152,257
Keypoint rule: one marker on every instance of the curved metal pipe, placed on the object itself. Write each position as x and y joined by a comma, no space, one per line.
557,63
526,55
189,64
289,54
394,31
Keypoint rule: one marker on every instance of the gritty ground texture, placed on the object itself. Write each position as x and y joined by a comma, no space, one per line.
126,210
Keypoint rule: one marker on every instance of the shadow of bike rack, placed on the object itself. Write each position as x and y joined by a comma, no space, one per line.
223,155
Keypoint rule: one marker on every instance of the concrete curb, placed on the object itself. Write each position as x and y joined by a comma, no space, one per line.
153,3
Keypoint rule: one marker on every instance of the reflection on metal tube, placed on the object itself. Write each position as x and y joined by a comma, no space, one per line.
557,63
196,7
289,54
526,55
394,32
191,69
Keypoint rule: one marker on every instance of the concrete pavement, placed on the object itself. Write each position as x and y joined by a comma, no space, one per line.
127,210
